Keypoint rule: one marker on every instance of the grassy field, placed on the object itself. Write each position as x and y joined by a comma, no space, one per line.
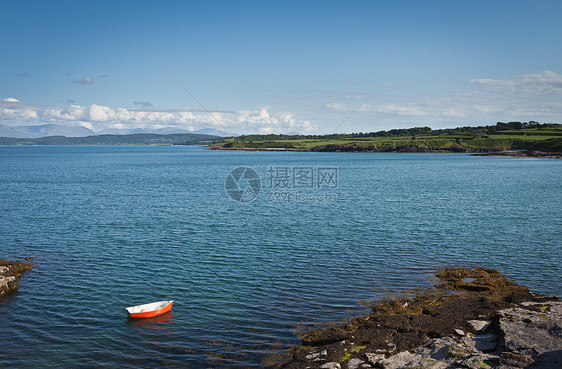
503,136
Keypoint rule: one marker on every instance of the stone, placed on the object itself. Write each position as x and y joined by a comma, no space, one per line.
436,349
10,272
317,356
8,285
478,361
397,361
525,334
479,326
460,332
515,360
374,358
331,365
533,332
355,363
485,342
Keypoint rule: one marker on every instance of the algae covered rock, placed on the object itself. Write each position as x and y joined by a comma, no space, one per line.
10,273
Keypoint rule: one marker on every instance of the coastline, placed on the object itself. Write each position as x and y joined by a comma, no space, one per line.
524,154
512,153
473,319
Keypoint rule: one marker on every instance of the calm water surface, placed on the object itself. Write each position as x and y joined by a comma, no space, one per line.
119,226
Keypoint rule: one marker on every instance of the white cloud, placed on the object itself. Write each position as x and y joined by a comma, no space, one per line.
100,117
262,121
18,114
13,109
546,82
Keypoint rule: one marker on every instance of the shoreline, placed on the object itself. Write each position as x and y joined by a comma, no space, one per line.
473,319
524,154
511,153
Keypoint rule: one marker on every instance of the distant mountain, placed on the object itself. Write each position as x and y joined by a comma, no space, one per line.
215,132
132,139
166,131
44,130
9,131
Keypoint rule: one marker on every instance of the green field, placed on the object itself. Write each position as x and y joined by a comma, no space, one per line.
502,136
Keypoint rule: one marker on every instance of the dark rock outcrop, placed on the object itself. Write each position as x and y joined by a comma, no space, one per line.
10,273
472,319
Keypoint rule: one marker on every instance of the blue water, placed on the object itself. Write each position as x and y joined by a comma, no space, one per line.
119,226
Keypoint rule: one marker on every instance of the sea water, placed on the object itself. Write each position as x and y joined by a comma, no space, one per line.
292,240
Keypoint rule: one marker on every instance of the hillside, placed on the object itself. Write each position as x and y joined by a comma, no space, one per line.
545,137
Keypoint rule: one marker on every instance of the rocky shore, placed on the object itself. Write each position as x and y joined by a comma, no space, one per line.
524,154
472,319
10,273
406,149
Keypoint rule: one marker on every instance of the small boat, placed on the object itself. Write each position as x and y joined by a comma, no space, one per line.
149,310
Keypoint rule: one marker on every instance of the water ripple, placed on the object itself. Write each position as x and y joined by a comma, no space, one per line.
116,226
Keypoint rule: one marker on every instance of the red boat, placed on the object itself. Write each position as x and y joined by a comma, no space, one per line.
149,310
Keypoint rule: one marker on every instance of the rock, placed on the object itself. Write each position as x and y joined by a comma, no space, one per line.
436,349
481,342
528,333
441,353
331,365
460,332
317,356
391,347
533,332
485,342
515,360
8,284
479,326
478,361
397,361
10,272
374,358
459,351
355,363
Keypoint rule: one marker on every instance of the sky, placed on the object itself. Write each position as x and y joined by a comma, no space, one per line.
309,67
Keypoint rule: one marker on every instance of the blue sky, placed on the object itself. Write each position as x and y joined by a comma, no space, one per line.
284,66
